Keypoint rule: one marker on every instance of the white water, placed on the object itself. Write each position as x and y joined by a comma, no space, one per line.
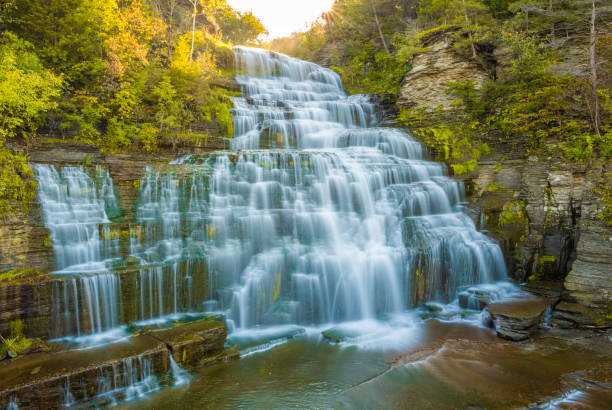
316,217
13,404
320,217
181,376
126,380
74,209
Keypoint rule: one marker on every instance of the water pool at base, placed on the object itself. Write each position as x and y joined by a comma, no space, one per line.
440,365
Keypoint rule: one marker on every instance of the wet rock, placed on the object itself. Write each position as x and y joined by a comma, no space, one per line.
544,214
340,334
50,380
589,283
24,243
516,320
547,289
569,315
433,307
477,297
474,298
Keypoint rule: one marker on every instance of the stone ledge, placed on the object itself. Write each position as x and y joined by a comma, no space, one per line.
517,320
42,380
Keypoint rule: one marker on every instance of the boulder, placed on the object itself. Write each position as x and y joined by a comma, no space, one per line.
516,320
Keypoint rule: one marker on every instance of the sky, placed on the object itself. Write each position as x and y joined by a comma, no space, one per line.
283,17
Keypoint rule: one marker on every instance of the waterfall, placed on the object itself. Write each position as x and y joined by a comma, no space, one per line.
316,215
13,404
321,216
74,209
125,380
180,376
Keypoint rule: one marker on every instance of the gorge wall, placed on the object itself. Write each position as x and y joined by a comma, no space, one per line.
543,210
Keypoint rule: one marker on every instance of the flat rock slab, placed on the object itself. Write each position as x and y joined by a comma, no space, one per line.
517,319
41,380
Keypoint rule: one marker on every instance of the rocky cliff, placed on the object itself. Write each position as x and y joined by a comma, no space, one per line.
543,211
426,84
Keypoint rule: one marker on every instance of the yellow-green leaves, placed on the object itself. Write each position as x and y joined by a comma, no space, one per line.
27,90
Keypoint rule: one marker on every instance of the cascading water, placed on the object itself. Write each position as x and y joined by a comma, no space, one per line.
75,210
126,380
322,217
316,216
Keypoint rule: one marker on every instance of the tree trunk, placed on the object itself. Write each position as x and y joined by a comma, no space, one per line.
552,26
382,37
467,21
593,65
195,12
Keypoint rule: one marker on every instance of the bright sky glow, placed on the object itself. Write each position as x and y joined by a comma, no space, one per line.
283,17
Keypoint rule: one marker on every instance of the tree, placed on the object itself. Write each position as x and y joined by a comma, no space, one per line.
7,8
237,27
207,9
194,3
28,90
28,93
380,33
590,13
469,29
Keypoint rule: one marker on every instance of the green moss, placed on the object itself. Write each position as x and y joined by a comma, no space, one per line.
495,186
604,191
18,274
47,242
16,342
546,269
514,214
458,145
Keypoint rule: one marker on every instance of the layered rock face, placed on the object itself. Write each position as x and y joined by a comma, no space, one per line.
52,306
426,85
24,242
543,211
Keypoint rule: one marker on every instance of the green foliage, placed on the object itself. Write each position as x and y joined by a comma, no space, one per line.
383,73
456,143
130,77
18,274
28,90
531,107
238,27
16,342
514,214
604,191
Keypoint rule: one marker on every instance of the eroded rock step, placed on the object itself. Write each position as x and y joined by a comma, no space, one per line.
55,306
517,320
115,372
